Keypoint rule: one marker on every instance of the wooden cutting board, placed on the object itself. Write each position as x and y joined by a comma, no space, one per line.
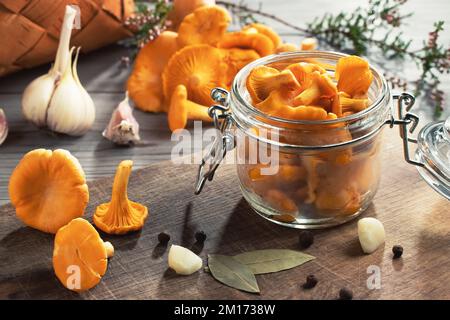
413,214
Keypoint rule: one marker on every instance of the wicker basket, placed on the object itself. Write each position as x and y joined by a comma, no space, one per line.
29,29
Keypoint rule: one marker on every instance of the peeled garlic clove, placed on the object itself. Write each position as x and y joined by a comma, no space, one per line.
183,260
371,234
3,126
123,128
36,98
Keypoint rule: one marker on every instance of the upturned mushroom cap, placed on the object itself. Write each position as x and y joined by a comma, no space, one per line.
200,68
120,215
206,25
144,84
48,189
267,31
181,109
248,39
353,75
80,257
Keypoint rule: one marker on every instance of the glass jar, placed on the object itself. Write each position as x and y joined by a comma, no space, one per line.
305,174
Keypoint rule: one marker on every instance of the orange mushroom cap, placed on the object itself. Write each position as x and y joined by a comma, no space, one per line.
265,30
181,109
200,68
48,189
236,59
248,39
353,75
262,80
206,25
144,84
80,257
120,215
303,72
181,8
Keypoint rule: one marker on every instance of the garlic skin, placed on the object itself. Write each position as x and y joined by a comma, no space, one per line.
36,98
123,129
3,126
57,99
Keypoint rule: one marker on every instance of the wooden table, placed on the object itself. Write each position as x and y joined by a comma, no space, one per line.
104,78
413,215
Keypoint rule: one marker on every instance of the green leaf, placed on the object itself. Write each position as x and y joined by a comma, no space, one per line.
272,260
232,273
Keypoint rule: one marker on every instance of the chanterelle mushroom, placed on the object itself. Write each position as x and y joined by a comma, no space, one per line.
267,31
48,189
181,110
200,68
248,39
206,25
263,80
121,215
144,84
80,257
353,75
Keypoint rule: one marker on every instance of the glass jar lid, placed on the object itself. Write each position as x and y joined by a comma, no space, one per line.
434,152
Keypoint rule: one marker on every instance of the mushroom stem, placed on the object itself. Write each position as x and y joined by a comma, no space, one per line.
109,249
196,111
119,198
181,110
307,97
356,105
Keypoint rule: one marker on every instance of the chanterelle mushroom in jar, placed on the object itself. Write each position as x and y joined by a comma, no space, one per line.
307,128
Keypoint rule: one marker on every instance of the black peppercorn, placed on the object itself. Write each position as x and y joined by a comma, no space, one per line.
345,294
163,238
397,251
200,236
306,239
311,282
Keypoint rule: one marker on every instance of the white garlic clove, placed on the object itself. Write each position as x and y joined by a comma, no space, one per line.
36,98
123,129
371,234
3,127
183,260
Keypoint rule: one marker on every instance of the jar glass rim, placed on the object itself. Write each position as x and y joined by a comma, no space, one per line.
244,72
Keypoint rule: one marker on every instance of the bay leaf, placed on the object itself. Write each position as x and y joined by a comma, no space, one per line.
272,260
232,273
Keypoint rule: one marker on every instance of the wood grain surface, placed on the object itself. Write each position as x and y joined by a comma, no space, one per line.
414,216
104,77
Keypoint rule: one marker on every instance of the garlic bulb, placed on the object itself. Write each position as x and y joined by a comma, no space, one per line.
123,129
3,126
57,99
71,110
